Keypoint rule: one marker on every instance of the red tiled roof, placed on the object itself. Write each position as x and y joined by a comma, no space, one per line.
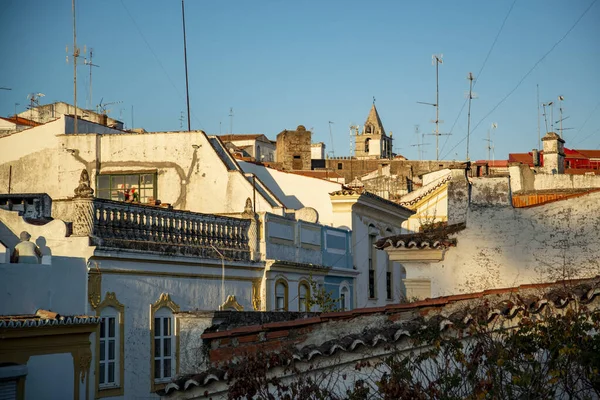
525,158
458,311
590,153
493,163
21,121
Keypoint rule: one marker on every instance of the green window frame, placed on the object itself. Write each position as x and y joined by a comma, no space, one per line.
139,187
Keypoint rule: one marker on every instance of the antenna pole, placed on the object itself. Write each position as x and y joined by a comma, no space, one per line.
538,97
75,55
331,138
187,88
91,64
231,120
470,78
437,109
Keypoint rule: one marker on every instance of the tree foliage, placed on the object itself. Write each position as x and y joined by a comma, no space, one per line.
556,355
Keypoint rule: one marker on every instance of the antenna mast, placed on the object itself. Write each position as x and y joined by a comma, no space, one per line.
471,78
230,120
331,138
86,62
436,60
187,89
538,98
419,144
75,55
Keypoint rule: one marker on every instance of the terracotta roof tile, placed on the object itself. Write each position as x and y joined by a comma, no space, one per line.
523,298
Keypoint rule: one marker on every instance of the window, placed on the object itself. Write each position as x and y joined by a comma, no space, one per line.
281,295
110,347
108,356
344,298
388,281
126,187
367,143
340,165
372,261
163,345
297,162
303,297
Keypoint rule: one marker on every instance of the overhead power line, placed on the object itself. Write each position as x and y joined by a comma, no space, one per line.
481,69
158,61
528,73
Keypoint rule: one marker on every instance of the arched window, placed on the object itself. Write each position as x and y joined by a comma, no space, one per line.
281,295
109,347
344,298
367,144
164,343
303,297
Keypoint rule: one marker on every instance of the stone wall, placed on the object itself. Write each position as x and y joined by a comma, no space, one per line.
294,149
411,169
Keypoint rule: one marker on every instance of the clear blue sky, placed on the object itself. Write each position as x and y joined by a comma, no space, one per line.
284,63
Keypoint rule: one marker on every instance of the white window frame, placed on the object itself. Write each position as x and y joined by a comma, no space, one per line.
104,359
160,316
303,297
285,286
344,297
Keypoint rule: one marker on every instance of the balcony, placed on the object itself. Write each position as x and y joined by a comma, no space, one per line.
141,228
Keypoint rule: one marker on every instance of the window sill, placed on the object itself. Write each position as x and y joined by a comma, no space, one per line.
109,392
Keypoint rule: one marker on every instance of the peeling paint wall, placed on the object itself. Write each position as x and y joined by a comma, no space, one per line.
504,246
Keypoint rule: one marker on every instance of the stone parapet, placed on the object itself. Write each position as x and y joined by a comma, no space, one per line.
136,227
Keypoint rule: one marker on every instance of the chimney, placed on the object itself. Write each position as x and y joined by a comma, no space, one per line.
536,157
554,154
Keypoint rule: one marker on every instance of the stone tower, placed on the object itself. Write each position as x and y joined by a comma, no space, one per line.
372,142
293,149
554,154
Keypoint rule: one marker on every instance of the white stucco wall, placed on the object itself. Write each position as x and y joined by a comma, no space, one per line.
297,191
360,240
190,175
192,285
504,246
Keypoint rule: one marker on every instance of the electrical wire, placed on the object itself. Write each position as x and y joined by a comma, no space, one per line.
477,77
585,122
526,75
158,61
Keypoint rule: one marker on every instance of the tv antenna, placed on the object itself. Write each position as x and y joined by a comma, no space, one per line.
230,120
561,98
181,121
472,96
353,132
419,144
75,55
331,138
551,105
436,60
91,64
34,101
490,143
102,108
